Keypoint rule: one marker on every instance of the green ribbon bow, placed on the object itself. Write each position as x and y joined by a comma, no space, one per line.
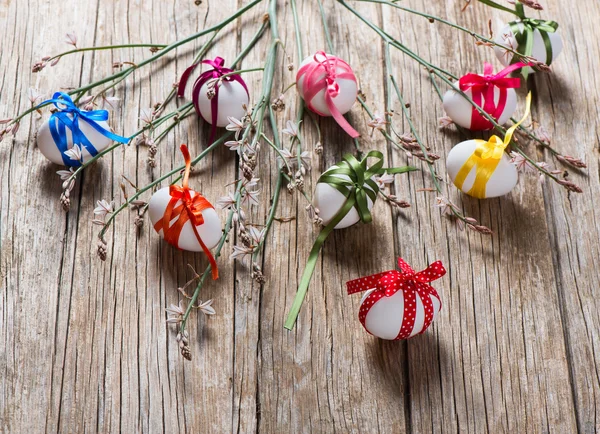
354,187
524,36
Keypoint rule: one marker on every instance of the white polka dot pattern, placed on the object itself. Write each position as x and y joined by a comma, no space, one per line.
419,309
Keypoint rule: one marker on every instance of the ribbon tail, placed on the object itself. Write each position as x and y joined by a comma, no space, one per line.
208,253
339,118
312,262
184,79
214,115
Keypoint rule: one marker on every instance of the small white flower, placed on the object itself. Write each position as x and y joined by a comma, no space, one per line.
75,153
111,101
384,179
445,121
445,205
175,313
226,201
235,125
256,234
103,207
206,307
250,197
146,115
34,95
251,183
65,174
378,122
241,253
521,163
71,39
234,145
291,129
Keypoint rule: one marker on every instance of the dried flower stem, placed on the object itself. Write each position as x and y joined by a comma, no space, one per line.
105,47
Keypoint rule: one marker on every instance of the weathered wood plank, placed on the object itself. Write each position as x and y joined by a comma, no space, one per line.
84,344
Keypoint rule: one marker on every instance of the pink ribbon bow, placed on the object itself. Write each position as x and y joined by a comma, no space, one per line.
314,83
411,283
483,87
216,72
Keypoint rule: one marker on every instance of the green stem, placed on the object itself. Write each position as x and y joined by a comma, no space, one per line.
105,47
326,28
151,59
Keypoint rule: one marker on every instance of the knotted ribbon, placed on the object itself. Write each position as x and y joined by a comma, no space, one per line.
216,73
357,187
486,158
68,117
315,82
190,209
483,87
524,36
411,283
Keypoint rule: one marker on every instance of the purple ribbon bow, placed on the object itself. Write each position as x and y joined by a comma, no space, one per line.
215,73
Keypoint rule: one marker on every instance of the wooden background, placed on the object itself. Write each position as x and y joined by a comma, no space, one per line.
84,346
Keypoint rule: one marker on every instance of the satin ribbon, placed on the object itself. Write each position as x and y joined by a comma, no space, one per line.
486,158
524,36
388,283
68,117
190,209
314,83
483,87
215,73
356,192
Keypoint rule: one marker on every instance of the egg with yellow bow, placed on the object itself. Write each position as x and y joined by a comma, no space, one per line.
502,179
481,168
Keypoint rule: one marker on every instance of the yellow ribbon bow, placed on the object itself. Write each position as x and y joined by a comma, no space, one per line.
486,158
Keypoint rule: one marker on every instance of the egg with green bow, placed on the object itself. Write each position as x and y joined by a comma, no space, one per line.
329,200
544,45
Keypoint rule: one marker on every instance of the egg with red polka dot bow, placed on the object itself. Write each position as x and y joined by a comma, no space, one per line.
398,304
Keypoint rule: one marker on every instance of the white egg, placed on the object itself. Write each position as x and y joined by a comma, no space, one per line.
232,98
460,110
343,101
502,181
49,149
210,231
385,316
507,38
329,201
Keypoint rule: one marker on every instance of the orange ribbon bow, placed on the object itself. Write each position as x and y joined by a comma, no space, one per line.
190,209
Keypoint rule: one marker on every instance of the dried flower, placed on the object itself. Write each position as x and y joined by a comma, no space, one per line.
445,205
529,3
575,162
146,116
570,186
111,101
71,39
102,250
278,104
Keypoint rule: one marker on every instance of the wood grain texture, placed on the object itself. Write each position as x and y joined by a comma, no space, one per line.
84,346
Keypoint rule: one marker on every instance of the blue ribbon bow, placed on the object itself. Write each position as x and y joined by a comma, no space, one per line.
68,116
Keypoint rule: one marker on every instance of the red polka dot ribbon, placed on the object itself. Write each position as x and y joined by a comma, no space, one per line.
411,283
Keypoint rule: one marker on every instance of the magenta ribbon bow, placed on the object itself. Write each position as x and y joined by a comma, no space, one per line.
411,283
314,83
483,87
216,72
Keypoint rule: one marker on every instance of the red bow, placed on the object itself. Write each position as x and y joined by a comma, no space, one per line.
483,86
190,209
216,72
411,283
314,83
